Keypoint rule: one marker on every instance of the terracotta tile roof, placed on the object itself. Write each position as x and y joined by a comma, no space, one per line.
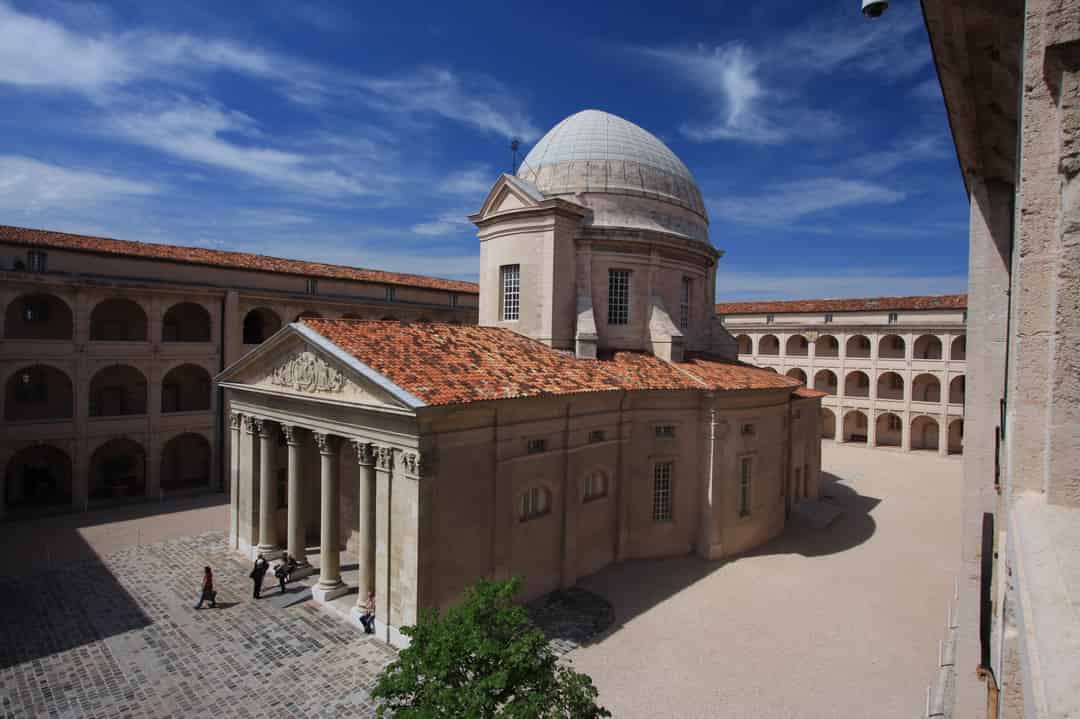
918,302
450,364
220,258
807,393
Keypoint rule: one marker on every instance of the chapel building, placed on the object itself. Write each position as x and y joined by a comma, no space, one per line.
597,413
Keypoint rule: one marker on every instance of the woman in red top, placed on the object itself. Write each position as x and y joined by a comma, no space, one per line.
208,593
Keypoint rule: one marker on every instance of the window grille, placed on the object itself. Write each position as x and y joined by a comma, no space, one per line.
390,293
511,292
597,435
536,445
746,469
828,317
36,260
535,503
618,297
312,287
893,318
684,304
748,430
665,431
662,492
769,319
595,486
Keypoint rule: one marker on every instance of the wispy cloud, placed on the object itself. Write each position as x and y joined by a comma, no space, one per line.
735,284
917,148
29,185
929,89
471,182
446,223
784,202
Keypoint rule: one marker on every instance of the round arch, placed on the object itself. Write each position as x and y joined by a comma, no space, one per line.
117,390
118,320
926,388
857,384
956,436
38,316
745,344
38,392
958,352
857,346
118,470
927,347
892,347
825,381
828,423
796,373
890,385
855,427
768,345
186,322
186,388
957,390
185,463
796,346
595,485
889,431
826,346
260,323
924,433
38,477
534,502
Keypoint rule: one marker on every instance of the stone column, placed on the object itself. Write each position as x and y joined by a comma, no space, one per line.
905,432
365,543
943,435
235,420
268,539
295,545
330,585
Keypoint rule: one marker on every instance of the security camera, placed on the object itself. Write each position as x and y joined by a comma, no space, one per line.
874,8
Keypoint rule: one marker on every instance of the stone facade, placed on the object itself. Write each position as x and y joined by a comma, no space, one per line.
1010,72
109,352
894,370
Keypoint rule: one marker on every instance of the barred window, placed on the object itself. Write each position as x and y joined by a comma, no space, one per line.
536,445
893,317
312,287
661,506
748,430
684,304
746,469
390,294
769,319
36,260
535,502
597,435
595,486
618,297
828,317
510,279
665,431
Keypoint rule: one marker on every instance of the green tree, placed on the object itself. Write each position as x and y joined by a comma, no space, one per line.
483,658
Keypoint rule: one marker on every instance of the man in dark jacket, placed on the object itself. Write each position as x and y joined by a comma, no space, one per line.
257,574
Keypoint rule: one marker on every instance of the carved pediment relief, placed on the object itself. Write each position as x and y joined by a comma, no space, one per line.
306,372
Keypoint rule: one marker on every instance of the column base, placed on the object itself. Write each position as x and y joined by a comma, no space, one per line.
323,594
269,553
302,570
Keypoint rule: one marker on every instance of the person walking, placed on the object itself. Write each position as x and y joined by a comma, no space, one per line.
208,593
367,617
283,570
257,573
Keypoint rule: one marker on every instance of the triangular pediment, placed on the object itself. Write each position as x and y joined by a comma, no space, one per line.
290,363
510,193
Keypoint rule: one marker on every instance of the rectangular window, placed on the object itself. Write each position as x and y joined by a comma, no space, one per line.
618,311
536,445
597,435
828,317
748,430
769,319
893,318
312,287
390,294
746,469
453,299
661,506
684,304
534,503
36,260
665,431
510,281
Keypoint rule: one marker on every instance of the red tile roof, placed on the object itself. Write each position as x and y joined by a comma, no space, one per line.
220,258
450,364
807,393
918,302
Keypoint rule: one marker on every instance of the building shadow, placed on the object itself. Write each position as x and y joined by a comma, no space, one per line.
638,585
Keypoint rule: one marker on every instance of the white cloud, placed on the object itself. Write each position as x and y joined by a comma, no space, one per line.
737,285
445,224
785,202
911,149
929,89
474,182
480,102
29,185
744,108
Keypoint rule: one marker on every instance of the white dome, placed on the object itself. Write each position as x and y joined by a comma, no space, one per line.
595,151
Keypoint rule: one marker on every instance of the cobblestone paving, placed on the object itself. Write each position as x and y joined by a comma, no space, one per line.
121,638
571,618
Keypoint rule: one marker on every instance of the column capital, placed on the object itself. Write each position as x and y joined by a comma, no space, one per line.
365,452
292,434
384,458
416,464
254,425
327,443
235,420
266,429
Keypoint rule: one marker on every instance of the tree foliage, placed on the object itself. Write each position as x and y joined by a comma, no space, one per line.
483,658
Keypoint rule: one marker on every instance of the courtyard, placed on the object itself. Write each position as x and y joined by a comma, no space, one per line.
98,616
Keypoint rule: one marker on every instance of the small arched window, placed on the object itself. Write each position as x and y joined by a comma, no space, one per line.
595,486
535,502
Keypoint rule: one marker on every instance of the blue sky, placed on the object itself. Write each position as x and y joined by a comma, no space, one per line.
364,133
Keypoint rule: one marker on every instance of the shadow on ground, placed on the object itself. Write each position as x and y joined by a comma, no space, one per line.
636,586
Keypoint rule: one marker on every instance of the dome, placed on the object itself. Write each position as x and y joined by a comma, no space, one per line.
597,152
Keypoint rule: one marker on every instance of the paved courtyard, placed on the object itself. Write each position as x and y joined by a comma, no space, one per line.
842,621
839,622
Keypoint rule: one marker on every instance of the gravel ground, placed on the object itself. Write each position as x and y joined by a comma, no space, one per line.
838,622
